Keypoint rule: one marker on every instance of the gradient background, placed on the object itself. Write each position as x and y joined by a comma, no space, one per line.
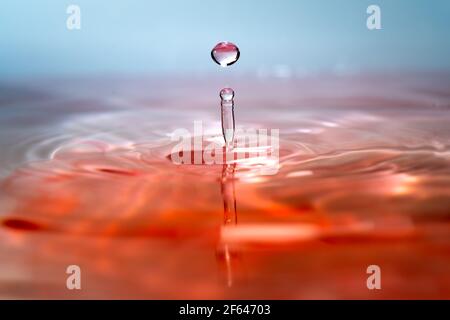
289,37
86,118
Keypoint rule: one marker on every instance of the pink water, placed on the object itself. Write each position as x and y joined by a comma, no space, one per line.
364,179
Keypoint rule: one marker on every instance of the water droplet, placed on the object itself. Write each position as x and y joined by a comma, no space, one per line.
225,53
227,94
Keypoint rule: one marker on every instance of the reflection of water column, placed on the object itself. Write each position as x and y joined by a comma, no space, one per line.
229,217
229,194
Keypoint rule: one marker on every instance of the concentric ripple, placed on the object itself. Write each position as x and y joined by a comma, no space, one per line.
362,176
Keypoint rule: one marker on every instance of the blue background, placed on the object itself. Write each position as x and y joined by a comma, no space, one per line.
175,36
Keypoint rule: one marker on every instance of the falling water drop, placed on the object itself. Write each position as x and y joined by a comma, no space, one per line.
227,111
225,53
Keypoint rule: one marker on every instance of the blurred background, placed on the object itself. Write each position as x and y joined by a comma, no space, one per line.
282,38
86,125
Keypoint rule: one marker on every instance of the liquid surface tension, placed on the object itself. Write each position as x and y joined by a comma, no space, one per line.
363,179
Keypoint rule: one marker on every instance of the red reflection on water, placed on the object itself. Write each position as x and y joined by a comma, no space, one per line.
349,193
19,224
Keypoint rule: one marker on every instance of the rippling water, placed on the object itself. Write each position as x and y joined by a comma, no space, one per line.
364,178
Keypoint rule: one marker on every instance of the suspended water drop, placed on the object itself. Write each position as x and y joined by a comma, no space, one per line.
225,53
226,94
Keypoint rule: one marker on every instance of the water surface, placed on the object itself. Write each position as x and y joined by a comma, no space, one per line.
364,178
